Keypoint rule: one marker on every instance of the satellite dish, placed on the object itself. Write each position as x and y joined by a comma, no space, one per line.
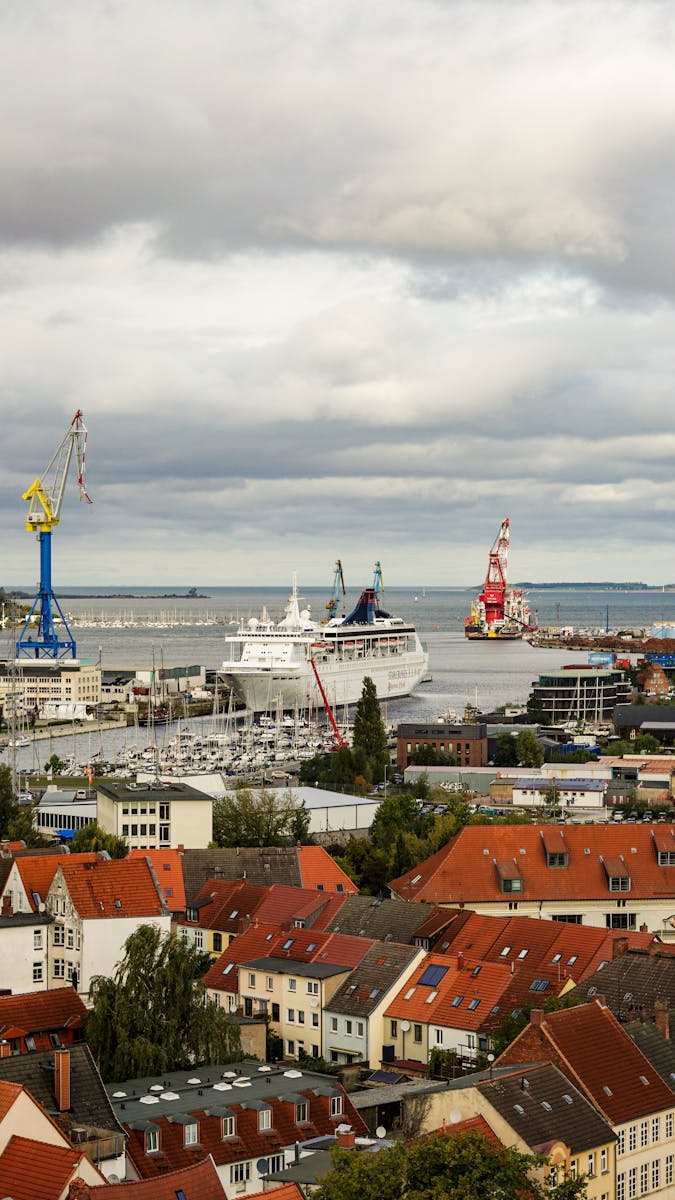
314,1004
455,1116
42,907
113,1178
380,1132
405,1026
261,1166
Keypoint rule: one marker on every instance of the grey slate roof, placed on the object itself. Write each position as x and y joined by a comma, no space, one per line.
366,986
365,916
291,966
657,1049
546,1108
632,716
90,1105
262,866
631,983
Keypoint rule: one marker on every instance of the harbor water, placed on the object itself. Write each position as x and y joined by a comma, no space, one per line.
135,631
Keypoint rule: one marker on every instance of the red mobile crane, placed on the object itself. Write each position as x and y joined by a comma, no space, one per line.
339,740
499,611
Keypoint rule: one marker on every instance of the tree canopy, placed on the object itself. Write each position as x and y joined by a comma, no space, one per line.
152,1015
246,817
370,735
92,837
530,753
443,1167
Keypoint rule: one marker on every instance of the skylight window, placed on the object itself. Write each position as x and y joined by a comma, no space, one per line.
643,1079
607,1090
571,961
505,951
519,1109
457,1001
288,943
415,879
234,913
375,993
473,1004
430,997
556,958
567,1099
228,968
476,970
312,946
410,992
545,1104
523,953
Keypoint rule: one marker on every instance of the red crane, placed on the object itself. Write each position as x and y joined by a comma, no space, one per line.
494,589
339,740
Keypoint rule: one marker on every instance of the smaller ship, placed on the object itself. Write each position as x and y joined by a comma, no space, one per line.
499,611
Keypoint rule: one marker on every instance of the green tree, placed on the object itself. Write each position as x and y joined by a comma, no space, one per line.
370,735
398,812
152,1015
93,838
21,827
443,1167
506,752
530,753
7,805
54,764
646,743
259,818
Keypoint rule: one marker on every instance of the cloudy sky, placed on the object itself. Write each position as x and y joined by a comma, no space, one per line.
343,279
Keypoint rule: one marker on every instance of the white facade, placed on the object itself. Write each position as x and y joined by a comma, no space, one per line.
23,953
352,1038
60,810
158,815
559,793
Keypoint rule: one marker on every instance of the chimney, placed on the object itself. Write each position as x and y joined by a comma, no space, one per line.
79,1190
62,1079
537,1016
346,1137
662,1016
619,946
4,1048
460,961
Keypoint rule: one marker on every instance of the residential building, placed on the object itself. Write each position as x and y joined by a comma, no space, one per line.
168,867
545,791
632,720
66,1083
616,877
197,1182
353,1018
36,1157
588,694
69,685
95,907
636,983
404,922
155,815
468,744
296,866
221,910
538,1110
248,1120
41,1021
590,1047
61,812
24,939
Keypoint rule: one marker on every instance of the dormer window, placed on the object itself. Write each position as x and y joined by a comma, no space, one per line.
229,1127
618,875
151,1141
336,1106
192,914
510,879
264,1119
191,1135
557,859
301,1112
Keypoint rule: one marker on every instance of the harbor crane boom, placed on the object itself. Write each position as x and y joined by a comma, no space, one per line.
338,587
45,496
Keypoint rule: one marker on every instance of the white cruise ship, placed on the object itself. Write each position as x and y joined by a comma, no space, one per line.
285,665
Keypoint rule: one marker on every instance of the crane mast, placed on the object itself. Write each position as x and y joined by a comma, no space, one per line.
45,496
338,589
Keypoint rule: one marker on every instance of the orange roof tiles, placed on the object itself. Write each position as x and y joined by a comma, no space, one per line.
169,871
294,945
588,1044
464,997
223,975
319,870
37,873
284,1191
33,1011
9,1092
31,1170
464,870
197,1182
113,888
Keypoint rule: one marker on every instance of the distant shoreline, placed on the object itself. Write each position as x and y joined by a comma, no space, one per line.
118,596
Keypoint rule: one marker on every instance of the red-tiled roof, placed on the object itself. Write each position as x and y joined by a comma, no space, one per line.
589,1045
249,1142
284,1191
37,873
463,998
318,868
36,1011
223,975
197,1182
295,945
283,903
113,888
9,1092
169,872
464,870
553,949
31,1170
472,1125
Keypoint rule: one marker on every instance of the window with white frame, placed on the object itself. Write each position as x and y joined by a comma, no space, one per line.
70,939
151,1141
269,983
240,1172
37,972
591,1164
632,1182
251,979
668,1171
632,1138
348,1026
229,1127
264,1119
656,1129
290,1015
333,1024
59,936
59,968
656,1174
644,1133
669,1125
312,987
439,1037
644,1178
603,1162
292,984
301,1112
621,1186
315,1020
275,1163
359,1028
199,939
336,1106
37,939
191,1134
621,1142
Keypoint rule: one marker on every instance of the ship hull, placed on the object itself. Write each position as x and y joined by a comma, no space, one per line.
296,688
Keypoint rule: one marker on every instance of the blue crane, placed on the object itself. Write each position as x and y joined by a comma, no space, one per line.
46,497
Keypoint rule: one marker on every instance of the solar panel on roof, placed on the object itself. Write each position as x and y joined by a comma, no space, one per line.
432,975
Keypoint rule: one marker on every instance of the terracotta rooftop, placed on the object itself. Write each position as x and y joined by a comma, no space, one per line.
294,945
169,871
224,904
9,1092
296,866
32,1170
31,1012
319,870
467,870
38,873
589,1045
112,888
197,1182
461,993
